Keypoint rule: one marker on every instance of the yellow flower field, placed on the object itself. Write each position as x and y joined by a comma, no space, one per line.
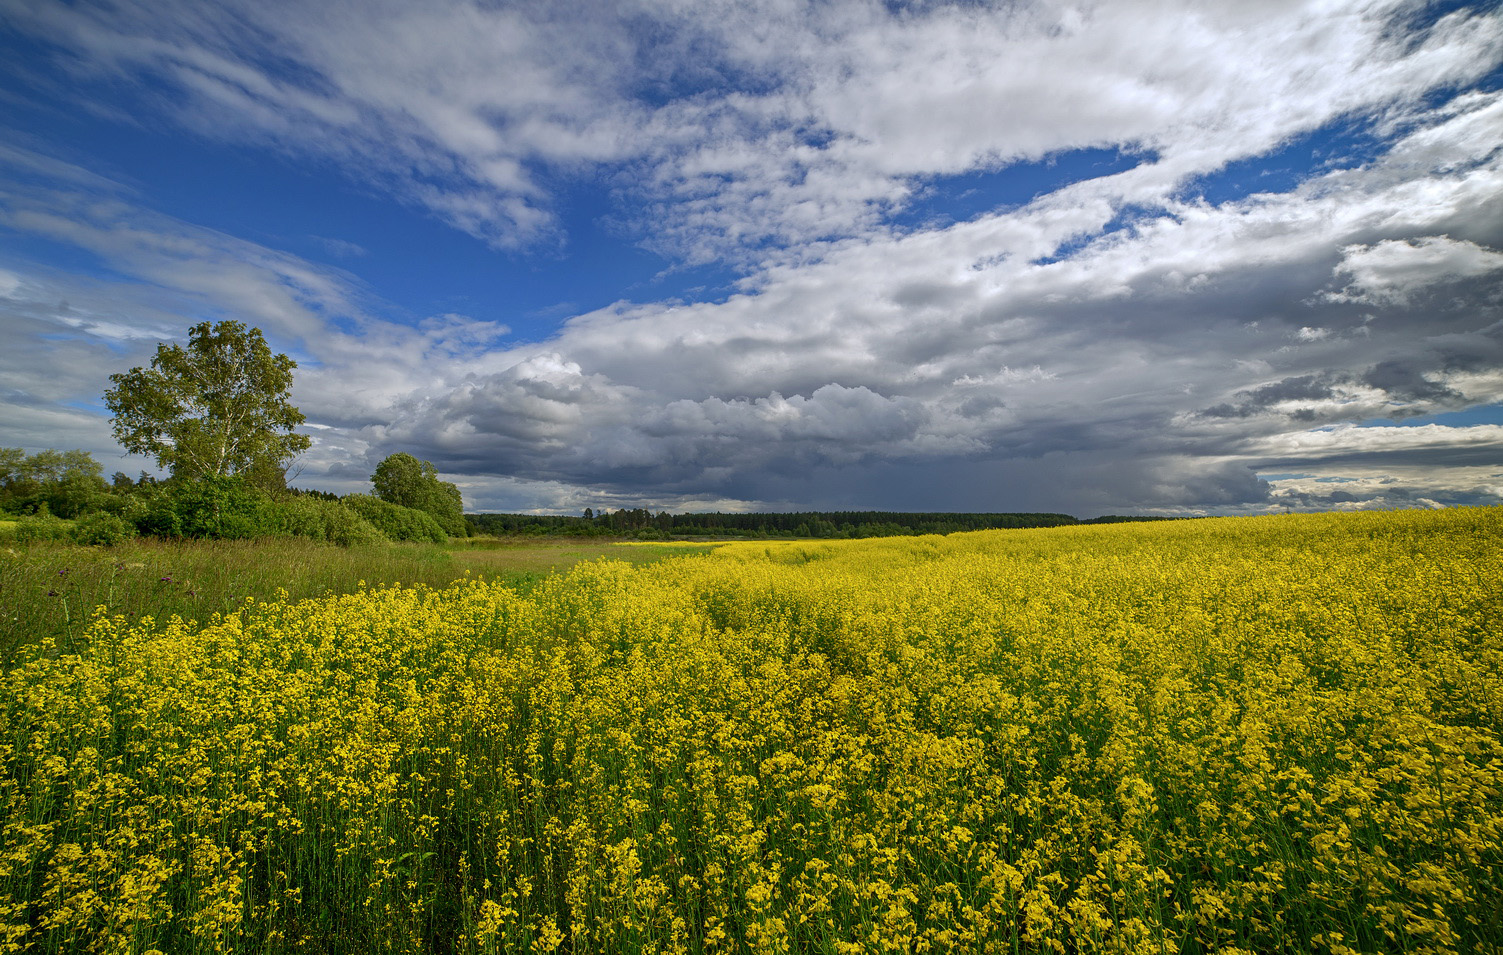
1256,734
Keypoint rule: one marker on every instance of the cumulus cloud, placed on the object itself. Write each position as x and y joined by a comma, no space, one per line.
1391,271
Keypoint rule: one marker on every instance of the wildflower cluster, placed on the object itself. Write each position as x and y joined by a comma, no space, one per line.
1272,734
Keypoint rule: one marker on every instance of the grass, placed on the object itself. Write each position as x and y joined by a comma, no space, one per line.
525,559
50,591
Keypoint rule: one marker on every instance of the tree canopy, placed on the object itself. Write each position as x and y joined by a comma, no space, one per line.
67,483
405,480
220,406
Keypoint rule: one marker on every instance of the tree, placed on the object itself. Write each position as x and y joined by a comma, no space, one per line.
403,479
15,477
67,483
72,481
215,408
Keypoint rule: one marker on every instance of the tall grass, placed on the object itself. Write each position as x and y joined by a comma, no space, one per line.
49,592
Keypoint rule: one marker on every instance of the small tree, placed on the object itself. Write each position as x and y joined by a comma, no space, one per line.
217,407
403,479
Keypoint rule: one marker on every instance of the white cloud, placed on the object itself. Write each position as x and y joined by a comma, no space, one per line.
1392,270
1348,441
741,124
1361,486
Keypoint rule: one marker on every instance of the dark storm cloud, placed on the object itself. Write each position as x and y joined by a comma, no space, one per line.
1258,400
1403,379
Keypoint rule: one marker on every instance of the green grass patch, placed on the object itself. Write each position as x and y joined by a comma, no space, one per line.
528,558
50,591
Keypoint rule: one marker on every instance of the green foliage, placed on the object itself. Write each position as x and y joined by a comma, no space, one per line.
42,526
130,505
403,479
310,492
226,508
154,512
103,529
54,487
324,520
395,521
232,507
12,463
216,408
446,505
67,483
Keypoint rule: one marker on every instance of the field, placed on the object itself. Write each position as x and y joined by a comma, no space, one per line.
1277,734
48,592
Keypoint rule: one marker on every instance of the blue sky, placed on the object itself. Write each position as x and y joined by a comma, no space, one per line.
1127,257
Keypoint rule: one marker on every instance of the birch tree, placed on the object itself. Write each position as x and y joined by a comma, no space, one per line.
220,406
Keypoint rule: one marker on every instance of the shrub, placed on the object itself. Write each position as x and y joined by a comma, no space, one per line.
300,517
41,526
152,509
103,529
129,506
226,508
348,529
395,521
323,520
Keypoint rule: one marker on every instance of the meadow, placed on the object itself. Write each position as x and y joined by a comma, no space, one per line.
1279,734
49,590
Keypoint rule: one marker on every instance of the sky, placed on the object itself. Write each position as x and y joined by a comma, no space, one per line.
1140,256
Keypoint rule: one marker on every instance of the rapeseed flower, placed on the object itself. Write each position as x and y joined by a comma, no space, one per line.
1272,734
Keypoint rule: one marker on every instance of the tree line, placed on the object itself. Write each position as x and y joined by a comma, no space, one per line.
63,495
216,416
643,523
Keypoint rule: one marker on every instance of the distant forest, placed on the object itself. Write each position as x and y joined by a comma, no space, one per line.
643,523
